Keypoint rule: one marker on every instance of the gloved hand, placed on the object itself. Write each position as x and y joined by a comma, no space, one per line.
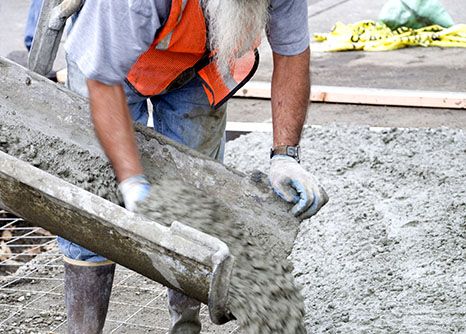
134,189
295,185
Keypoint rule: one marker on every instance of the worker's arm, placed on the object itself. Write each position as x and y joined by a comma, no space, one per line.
290,100
114,129
104,43
290,97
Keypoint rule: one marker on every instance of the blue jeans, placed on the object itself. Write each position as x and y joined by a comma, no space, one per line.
31,23
183,115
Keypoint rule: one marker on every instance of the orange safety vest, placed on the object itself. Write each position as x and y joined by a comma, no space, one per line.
179,52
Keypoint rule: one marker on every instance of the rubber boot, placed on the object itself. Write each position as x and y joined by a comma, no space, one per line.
88,287
184,313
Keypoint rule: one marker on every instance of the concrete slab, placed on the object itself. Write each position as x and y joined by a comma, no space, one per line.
414,68
378,257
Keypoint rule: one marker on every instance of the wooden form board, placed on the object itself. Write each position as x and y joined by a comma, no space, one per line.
372,96
247,127
357,95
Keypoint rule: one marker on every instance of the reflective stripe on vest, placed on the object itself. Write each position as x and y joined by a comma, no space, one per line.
165,42
179,52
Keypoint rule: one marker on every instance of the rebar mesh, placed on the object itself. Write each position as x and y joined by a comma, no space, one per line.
31,289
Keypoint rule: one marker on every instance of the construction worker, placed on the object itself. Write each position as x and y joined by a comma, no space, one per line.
31,23
188,57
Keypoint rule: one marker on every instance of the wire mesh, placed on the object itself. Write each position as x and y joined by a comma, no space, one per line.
31,289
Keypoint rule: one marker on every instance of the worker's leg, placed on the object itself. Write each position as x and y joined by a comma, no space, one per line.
33,18
88,276
185,116
88,286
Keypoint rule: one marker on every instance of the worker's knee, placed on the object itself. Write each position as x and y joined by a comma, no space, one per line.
76,252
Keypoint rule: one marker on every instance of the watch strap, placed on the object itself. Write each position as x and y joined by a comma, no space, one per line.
291,151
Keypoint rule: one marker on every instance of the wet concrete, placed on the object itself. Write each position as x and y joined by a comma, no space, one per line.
263,295
387,253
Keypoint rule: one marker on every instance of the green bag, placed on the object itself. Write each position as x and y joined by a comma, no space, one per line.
414,14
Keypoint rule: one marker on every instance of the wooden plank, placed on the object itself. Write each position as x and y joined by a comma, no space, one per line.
247,127
357,95
371,96
392,97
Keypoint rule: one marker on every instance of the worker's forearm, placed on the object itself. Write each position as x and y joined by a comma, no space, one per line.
290,97
114,128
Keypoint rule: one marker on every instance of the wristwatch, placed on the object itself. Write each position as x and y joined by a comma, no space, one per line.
291,151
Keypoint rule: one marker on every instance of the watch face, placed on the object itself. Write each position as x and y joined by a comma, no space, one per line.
291,151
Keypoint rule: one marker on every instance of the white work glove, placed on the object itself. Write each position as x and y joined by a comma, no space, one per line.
295,185
134,190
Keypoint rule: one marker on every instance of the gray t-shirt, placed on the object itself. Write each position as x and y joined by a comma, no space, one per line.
110,35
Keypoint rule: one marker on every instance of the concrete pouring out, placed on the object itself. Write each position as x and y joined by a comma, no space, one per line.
262,295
